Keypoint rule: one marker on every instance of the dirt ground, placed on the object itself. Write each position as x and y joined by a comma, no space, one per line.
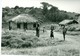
69,47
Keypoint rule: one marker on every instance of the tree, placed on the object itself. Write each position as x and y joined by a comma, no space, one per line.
53,9
16,7
49,11
33,10
45,7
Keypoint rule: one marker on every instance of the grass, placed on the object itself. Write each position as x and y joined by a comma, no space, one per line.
18,39
43,46
44,51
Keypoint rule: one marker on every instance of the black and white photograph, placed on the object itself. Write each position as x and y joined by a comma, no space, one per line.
40,27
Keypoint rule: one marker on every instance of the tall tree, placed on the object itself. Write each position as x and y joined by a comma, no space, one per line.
45,7
16,7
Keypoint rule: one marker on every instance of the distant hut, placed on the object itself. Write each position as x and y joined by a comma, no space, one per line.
79,19
67,22
23,21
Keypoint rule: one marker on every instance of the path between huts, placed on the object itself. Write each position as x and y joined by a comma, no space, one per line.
69,38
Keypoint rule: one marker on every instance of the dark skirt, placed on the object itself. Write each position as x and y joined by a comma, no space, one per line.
51,34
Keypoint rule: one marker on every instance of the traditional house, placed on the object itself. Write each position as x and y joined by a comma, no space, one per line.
67,22
23,21
79,19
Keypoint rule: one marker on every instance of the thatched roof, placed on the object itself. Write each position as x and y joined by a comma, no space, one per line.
23,18
65,22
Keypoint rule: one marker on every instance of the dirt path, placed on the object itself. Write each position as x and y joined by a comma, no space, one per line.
69,38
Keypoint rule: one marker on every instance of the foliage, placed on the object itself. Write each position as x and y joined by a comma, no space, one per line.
47,13
53,13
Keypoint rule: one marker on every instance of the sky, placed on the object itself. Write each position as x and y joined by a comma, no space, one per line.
67,5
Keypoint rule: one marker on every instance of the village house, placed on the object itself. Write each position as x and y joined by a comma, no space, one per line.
79,19
23,21
67,22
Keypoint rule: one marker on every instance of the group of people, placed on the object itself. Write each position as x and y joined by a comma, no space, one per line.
64,30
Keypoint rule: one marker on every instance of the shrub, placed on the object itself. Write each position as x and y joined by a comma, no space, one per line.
5,40
27,44
18,40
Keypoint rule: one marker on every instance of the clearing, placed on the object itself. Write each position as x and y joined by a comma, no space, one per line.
70,47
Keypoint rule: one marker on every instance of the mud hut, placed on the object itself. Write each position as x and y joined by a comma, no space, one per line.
79,19
23,21
67,22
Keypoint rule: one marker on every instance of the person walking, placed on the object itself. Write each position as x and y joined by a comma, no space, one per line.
51,32
64,32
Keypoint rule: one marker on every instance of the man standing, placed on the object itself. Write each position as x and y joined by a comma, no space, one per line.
37,30
10,25
51,32
64,32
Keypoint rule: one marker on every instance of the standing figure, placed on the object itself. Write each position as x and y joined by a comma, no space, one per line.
51,32
37,30
10,25
64,32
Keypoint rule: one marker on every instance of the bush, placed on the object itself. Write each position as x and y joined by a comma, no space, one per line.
27,44
5,40
18,40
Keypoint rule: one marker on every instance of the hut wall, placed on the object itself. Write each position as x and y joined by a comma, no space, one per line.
14,26
5,25
30,26
21,26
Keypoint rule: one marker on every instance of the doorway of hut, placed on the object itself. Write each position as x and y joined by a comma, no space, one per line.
25,26
34,25
18,25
